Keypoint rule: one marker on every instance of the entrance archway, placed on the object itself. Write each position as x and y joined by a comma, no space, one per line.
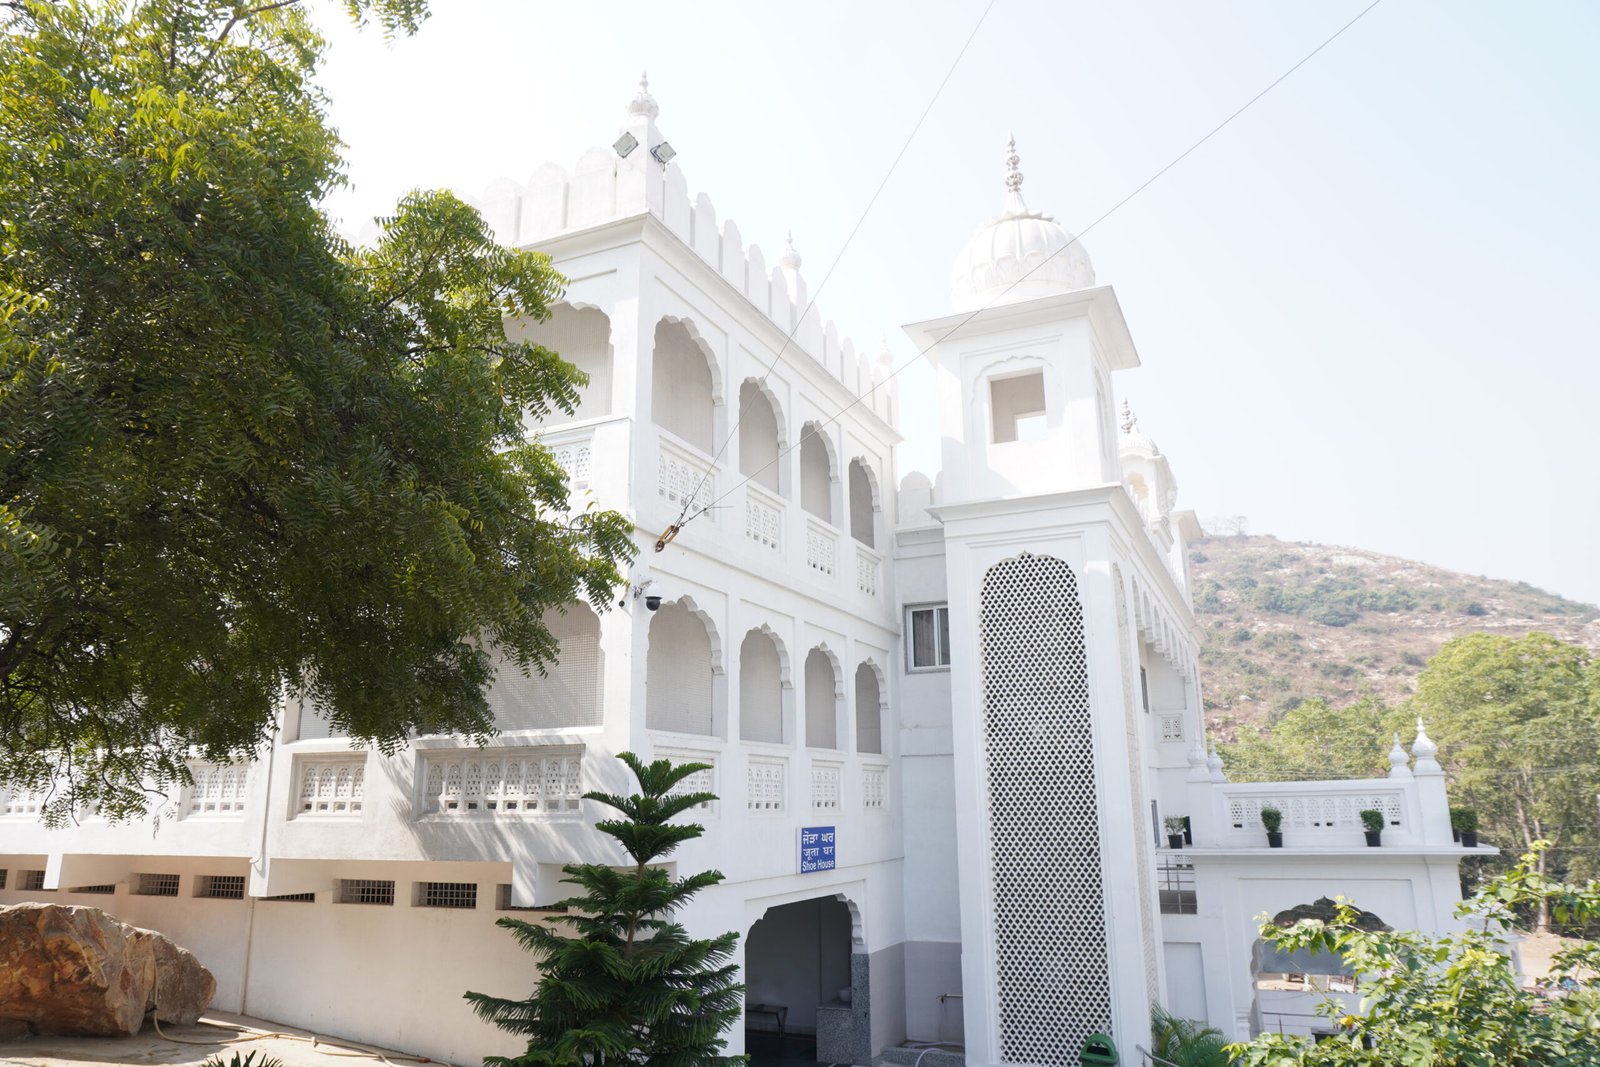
1289,986
805,997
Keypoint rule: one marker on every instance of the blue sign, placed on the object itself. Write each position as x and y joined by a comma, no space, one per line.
818,848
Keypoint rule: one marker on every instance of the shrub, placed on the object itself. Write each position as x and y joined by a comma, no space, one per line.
1464,819
1175,824
1372,820
1271,818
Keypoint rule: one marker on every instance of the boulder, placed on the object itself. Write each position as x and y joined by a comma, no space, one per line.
78,971
183,987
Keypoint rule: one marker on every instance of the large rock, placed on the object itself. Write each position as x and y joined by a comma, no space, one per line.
183,987
72,970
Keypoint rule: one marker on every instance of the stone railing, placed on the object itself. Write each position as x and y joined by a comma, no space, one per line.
702,781
822,548
869,565
874,786
766,783
685,478
574,452
1316,813
510,782
826,780
218,789
330,785
763,518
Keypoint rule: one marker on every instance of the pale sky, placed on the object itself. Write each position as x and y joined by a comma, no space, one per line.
1367,310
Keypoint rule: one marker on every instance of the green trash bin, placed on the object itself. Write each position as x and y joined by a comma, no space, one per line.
1098,1051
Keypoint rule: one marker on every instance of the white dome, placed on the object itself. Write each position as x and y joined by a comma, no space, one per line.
1018,255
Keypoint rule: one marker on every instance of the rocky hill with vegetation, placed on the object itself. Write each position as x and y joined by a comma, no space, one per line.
1282,623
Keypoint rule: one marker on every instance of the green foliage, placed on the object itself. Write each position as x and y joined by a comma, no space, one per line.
1453,1000
237,455
1271,818
1185,1042
1176,824
1315,741
1463,819
625,984
247,1060
1518,726
1372,820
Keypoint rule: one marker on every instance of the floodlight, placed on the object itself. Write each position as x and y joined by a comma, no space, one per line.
625,144
663,153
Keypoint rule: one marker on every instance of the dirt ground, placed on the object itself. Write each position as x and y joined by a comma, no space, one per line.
1534,951
189,1046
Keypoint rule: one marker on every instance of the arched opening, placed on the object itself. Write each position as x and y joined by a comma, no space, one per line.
1141,495
759,438
816,473
678,672
582,337
805,998
869,707
822,701
760,689
682,396
567,694
863,505
1290,986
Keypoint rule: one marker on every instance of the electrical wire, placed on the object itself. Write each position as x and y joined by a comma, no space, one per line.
685,517
800,318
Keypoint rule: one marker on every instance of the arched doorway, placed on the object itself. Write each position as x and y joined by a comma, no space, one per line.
1290,987
805,999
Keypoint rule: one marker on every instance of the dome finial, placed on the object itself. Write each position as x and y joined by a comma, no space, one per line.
790,258
1129,422
1013,175
643,103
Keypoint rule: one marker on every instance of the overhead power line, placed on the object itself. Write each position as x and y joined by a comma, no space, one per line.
685,516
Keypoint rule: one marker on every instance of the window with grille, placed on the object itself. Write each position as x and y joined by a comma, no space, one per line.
1176,887
94,890
365,891
294,898
447,895
928,634
155,885
1051,964
30,881
220,886
3,873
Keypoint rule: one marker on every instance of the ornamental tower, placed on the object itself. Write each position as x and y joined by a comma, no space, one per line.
1058,907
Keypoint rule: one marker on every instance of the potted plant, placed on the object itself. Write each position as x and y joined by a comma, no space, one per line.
1272,818
1372,822
1188,831
1464,821
1174,825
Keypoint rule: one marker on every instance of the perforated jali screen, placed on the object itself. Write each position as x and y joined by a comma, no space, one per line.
1049,919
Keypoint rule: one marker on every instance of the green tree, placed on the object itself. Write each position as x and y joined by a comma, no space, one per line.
238,456
1454,1000
627,984
1518,733
1186,1043
1315,741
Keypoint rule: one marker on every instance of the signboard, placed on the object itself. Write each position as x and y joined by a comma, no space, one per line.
818,848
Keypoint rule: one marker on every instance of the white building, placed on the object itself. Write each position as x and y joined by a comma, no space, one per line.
985,686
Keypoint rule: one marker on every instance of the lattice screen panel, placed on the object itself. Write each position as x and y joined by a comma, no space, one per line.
1049,920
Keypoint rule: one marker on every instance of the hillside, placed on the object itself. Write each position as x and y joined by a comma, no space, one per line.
1284,622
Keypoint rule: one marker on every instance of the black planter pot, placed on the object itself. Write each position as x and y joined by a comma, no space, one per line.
1374,838
1274,838
1174,840
1469,839
1455,835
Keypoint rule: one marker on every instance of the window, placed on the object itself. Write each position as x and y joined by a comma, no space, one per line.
94,890
365,891
929,632
447,894
155,885
1144,690
220,886
3,873
1018,408
502,900
294,898
1176,887
30,881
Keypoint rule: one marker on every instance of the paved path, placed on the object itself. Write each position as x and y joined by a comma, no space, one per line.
190,1046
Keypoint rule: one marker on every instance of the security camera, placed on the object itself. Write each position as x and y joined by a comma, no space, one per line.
650,592
653,601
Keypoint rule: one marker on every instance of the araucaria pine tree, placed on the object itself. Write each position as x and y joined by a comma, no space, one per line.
625,984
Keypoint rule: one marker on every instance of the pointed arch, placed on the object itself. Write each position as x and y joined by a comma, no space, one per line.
819,471
762,434
865,502
685,383
823,690
763,684
683,658
872,703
